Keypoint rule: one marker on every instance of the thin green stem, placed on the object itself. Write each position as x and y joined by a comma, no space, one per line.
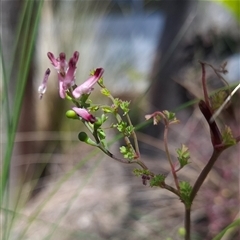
140,163
134,137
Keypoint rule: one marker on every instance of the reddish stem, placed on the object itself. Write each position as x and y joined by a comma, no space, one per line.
168,155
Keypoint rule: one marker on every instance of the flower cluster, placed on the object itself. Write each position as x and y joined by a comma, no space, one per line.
66,80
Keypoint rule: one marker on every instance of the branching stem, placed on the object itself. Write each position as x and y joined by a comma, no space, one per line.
168,154
134,137
201,178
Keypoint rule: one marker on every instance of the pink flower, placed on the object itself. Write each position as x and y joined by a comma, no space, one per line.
87,86
66,72
66,76
43,87
84,114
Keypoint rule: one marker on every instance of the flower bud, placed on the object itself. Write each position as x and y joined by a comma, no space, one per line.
83,137
71,114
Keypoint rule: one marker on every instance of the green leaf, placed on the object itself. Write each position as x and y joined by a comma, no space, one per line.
235,224
157,180
93,108
171,117
127,152
105,92
121,127
228,138
183,155
107,109
104,118
83,100
124,105
129,130
101,134
217,99
185,191
100,82
97,124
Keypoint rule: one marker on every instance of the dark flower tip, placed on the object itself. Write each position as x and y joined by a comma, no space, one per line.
47,72
62,56
98,72
76,55
50,55
92,119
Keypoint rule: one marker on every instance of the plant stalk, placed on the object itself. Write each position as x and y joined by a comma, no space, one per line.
187,222
201,178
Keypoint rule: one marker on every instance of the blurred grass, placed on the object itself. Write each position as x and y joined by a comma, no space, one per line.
23,51
234,226
65,177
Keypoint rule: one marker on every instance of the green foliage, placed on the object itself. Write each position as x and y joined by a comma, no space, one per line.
217,99
97,124
107,109
100,82
117,102
129,130
171,116
105,92
124,105
127,152
104,118
183,155
23,48
100,121
93,108
123,128
157,181
228,138
101,134
83,101
185,191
